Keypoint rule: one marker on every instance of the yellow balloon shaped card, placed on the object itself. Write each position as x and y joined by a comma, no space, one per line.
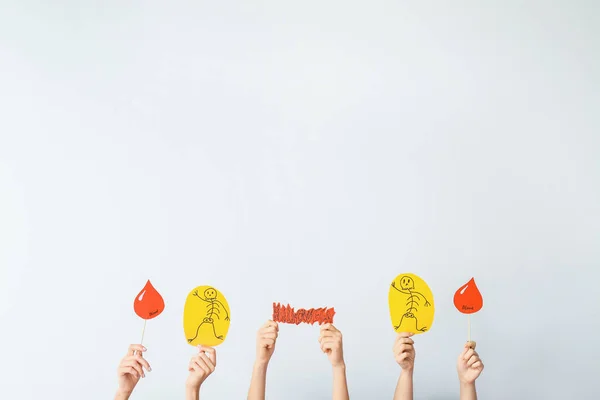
411,304
206,317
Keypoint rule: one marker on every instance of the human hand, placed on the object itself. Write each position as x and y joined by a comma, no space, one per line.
265,341
330,340
201,366
131,369
469,365
404,351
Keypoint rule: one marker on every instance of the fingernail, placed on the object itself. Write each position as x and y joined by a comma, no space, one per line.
144,348
149,369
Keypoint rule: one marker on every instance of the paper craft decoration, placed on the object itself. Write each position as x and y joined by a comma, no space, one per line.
468,300
206,317
148,304
287,315
411,304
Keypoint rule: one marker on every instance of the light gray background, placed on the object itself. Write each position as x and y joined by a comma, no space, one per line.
303,152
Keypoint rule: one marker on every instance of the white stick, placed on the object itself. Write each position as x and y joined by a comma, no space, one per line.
143,331
469,324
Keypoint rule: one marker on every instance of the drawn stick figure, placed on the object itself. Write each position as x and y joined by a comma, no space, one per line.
407,286
210,296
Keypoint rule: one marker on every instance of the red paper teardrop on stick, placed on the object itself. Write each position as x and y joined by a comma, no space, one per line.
468,299
148,303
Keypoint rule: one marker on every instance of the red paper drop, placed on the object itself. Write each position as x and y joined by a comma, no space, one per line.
148,303
468,299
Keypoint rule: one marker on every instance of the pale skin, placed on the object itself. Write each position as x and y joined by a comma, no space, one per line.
265,347
469,366
131,369
404,354
330,339
201,366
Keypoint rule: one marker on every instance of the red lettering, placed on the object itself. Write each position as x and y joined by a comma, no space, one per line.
286,314
329,316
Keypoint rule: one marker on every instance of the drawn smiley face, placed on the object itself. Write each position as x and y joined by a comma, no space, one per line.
210,293
406,282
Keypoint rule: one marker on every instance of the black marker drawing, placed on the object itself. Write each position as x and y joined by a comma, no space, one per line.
407,286
210,296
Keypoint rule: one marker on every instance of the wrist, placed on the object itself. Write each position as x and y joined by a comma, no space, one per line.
341,366
261,364
466,385
192,392
122,394
407,371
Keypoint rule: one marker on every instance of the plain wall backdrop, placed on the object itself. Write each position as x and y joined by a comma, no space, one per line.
302,152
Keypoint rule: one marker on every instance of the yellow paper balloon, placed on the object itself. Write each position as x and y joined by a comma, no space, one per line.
411,304
206,317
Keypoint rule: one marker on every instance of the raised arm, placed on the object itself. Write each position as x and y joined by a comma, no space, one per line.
394,286
404,353
265,347
130,370
200,367
200,297
330,340
469,366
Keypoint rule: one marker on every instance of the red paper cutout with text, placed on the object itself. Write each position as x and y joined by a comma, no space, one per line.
148,303
287,315
468,299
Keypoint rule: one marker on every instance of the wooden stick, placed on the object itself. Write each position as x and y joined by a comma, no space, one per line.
469,324
143,331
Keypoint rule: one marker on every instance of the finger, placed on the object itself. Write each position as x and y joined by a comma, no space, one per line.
329,333
472,361
403,341
405,334
135,347
269,335
129,371
468,354
268,343
211,353
406,340
135,365
477,365
329,344
270,324
269,329
403,348
326,347
208,362
400,347
201,366
405,357
471,345
141,360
